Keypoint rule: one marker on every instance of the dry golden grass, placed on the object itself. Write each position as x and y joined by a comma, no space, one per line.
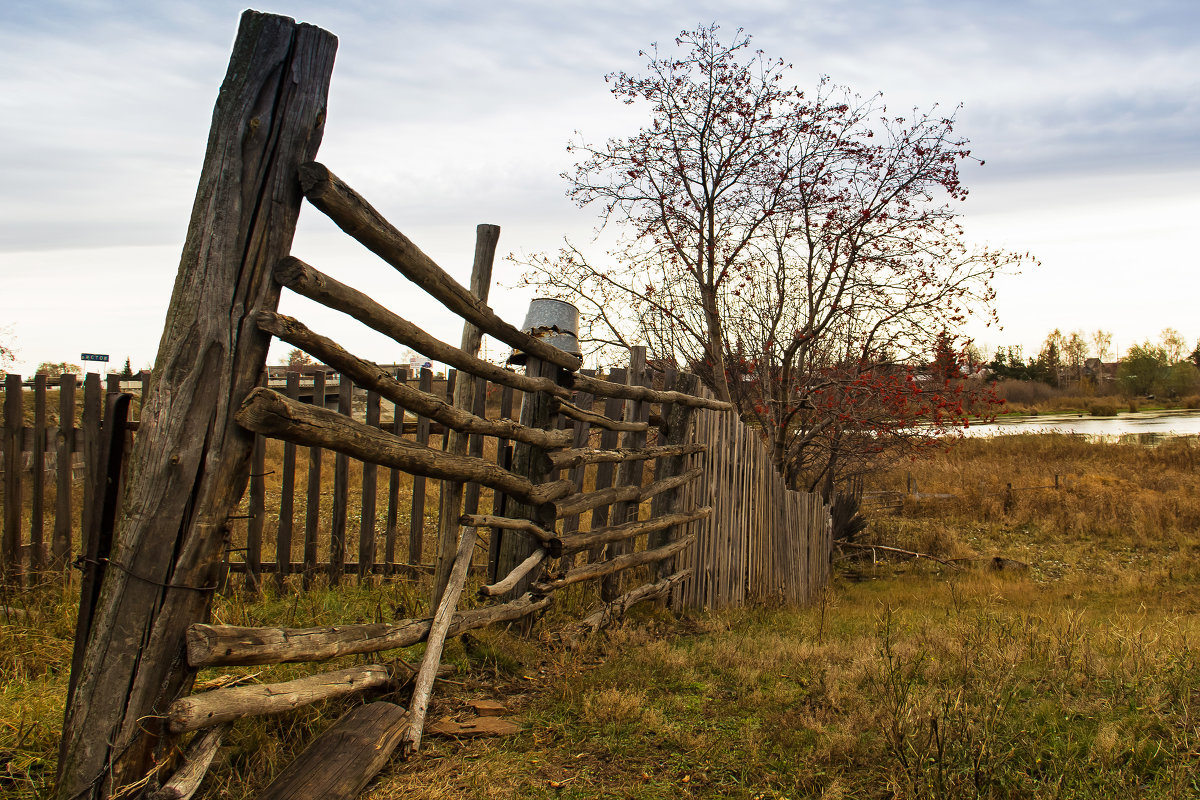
1078,677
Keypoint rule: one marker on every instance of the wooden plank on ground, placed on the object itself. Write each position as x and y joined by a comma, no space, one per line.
339,763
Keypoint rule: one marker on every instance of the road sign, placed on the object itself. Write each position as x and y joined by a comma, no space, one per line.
93,356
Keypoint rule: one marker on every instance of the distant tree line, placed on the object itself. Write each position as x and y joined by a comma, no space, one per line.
1165,367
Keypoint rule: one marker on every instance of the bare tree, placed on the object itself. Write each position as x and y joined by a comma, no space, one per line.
1075,353
797,251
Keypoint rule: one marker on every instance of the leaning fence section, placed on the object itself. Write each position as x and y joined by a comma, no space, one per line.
763,541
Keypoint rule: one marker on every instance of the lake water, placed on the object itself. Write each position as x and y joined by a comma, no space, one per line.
1143,427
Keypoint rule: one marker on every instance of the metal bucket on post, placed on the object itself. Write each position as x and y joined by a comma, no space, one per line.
553,321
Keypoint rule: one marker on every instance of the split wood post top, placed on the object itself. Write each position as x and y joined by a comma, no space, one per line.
191,460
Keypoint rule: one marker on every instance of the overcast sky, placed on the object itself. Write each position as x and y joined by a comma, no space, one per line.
446,115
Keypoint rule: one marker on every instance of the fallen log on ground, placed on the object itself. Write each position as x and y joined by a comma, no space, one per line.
611,612
909,553
227,705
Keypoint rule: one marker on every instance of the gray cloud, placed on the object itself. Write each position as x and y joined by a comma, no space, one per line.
450,114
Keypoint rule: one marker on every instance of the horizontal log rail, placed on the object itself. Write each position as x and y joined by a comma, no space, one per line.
513,578
611,612
322,567
615,533
565,459
619,564
603,388
272,414
226,705
585,501
231,645
371,376
355,216
548,539
572,411
307,281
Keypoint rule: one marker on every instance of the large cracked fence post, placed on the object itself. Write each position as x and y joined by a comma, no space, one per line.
190,460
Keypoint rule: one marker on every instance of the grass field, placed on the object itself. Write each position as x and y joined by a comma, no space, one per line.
1075,676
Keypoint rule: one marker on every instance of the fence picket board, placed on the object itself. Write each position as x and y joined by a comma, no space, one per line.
287,496
65,444
257,511
370,486
503,459
393,503
583,430
472,489
312,511
37,478
14,424
416,520
341,491
90,422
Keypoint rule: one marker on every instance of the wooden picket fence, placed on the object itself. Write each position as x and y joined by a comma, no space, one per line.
47,458
763,541
747,550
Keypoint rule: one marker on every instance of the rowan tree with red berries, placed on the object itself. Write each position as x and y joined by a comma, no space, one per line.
801,252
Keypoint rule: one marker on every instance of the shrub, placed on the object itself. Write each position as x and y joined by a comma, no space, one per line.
1102,410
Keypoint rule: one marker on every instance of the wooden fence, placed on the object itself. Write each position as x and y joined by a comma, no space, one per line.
763,542
568,494
748,549
47,454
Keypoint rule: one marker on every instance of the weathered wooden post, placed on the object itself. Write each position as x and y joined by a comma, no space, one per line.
629,473
451,498
191,461
529,461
